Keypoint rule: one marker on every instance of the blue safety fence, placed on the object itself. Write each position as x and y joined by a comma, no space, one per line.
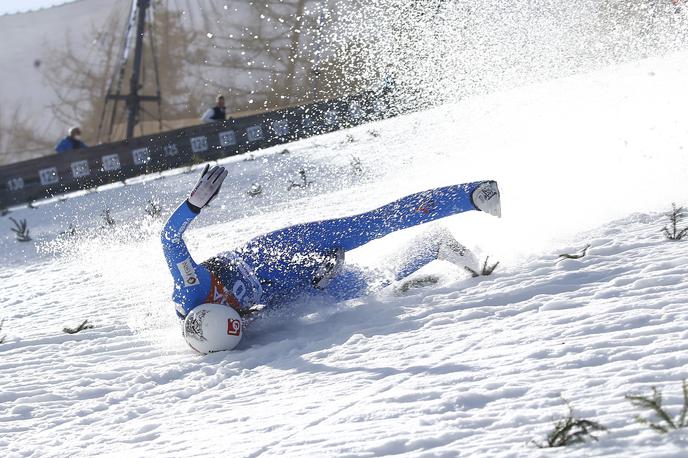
48,176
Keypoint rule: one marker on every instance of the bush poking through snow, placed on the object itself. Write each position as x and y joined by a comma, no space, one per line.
109,220
571,430
21,230
304,181
356,165
79,328
654,403
676,215
485,271
418,282
71,232
255,190
578,255
153,209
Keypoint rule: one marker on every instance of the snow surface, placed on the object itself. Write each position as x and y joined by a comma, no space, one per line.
468,367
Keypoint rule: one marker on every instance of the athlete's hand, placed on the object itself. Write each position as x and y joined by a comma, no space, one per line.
207,187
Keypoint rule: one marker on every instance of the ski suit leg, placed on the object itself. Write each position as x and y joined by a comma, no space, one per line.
350,283
430,245
287,258
415,256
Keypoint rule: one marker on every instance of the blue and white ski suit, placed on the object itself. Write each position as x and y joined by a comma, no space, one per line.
278,267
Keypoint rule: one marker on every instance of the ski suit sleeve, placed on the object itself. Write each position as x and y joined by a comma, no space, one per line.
192,282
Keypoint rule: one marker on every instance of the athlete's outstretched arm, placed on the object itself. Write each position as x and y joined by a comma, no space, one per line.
191,281
174,248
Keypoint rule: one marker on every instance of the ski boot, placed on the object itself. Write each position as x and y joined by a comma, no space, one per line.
449,249
486,198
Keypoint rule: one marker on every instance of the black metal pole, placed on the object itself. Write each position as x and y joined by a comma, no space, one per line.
133,101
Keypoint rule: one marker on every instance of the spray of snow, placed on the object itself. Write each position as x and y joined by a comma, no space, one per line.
436,51
470,365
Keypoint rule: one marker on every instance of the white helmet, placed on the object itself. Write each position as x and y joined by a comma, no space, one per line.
212,327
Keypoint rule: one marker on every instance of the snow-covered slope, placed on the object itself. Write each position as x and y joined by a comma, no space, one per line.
466,367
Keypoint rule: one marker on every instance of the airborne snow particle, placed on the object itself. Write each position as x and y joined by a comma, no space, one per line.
209,35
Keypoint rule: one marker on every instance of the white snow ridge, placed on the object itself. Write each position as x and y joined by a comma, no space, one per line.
466,367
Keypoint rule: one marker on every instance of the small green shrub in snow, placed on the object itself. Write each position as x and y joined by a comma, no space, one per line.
654,403
81,327
21,230
485,271
579,255
418,282
153,209
107,217
256,190
70,232
676,215
571,430
356,165
305,182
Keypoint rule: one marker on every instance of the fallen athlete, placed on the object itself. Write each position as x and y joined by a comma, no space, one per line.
277,268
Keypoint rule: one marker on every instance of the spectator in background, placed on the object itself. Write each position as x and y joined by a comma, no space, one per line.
216,113
71,141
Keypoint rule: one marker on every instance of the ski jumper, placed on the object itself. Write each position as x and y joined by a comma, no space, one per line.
278,267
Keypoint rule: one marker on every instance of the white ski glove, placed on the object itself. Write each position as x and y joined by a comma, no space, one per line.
207,187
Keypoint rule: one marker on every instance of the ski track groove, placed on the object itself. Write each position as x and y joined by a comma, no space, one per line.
301,429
